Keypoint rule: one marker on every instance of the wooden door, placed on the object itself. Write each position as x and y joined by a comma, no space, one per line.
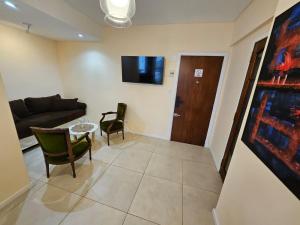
195,98
243,102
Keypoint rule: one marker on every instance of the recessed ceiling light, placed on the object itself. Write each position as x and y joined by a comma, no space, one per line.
80,35
10,4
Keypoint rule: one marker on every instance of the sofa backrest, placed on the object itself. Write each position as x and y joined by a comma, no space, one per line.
40,105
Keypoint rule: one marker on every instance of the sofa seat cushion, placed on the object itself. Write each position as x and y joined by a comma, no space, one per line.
41,105
46,120
78,150
118,125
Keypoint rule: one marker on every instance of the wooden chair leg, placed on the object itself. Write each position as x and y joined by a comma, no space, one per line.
123,134
73,169
47,168
108,139
101,132
90,152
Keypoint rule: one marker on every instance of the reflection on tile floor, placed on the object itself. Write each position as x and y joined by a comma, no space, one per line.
139,181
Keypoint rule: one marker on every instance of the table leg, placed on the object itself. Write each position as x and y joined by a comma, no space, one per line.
93,137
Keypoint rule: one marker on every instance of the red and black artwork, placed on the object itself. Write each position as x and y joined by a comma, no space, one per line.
272,130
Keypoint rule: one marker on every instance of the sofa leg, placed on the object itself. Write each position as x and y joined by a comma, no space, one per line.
108,139
73,169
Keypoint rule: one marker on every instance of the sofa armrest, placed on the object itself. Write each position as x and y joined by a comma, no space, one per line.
81,105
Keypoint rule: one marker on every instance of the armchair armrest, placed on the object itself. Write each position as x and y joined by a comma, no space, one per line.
81,105
108,113
105,114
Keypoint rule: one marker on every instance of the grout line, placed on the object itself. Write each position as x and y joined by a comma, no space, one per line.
143,218
108,166
139,185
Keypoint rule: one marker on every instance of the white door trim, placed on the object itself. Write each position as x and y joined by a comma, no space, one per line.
216,106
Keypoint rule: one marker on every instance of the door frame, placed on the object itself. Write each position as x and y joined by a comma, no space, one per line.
255,44
217,101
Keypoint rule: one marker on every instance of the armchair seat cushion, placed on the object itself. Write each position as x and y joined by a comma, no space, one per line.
118,125
78,150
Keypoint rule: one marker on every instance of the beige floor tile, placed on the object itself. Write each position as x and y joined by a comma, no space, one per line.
35,185
158,200
185,152
48,206
199,154
116,188
92,213
133,220
143,146
201,217
201,176
197,199
106,154
87,174
133,159
165,167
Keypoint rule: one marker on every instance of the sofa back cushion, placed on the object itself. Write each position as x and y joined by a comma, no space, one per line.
65,105
19,108
41,105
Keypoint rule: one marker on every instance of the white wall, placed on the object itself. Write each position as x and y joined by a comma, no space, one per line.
13,175
252,194
92,71
28,64
241,54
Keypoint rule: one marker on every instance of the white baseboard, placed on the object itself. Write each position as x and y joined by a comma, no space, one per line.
215,216
148,135
16,195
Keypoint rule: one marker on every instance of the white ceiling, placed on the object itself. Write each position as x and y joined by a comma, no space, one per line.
64,19
52,19
151,12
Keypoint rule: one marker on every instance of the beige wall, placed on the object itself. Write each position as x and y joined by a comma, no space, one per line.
252,194
28,64
254,16
13,175
92,71
241,54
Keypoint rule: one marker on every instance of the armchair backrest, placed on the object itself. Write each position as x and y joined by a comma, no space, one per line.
54,142
121,111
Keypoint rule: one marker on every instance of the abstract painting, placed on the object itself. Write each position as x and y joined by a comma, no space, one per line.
272,129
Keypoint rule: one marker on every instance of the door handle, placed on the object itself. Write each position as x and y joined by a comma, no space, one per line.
177,115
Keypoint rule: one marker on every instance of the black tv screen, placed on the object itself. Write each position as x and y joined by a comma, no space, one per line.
143,69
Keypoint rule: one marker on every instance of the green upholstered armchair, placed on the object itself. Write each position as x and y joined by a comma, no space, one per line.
58,148
115,125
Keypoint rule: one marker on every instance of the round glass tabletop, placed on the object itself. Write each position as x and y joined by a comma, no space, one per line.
82,128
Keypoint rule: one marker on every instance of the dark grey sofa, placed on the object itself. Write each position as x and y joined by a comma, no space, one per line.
46,112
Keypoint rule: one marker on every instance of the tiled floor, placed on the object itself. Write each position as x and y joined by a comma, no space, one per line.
139,181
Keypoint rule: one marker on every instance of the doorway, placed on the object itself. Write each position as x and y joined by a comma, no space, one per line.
242,105
196,91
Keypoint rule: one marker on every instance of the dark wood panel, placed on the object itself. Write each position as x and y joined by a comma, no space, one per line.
242,105
195,98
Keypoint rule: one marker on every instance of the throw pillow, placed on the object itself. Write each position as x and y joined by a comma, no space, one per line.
19,108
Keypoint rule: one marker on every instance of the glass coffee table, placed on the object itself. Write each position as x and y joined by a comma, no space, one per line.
82,128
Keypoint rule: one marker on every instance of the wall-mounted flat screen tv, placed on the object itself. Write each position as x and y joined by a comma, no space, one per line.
143,69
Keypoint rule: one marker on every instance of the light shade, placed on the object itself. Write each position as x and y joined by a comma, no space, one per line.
118,13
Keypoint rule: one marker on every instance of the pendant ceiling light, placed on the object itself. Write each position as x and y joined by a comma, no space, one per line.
118,13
